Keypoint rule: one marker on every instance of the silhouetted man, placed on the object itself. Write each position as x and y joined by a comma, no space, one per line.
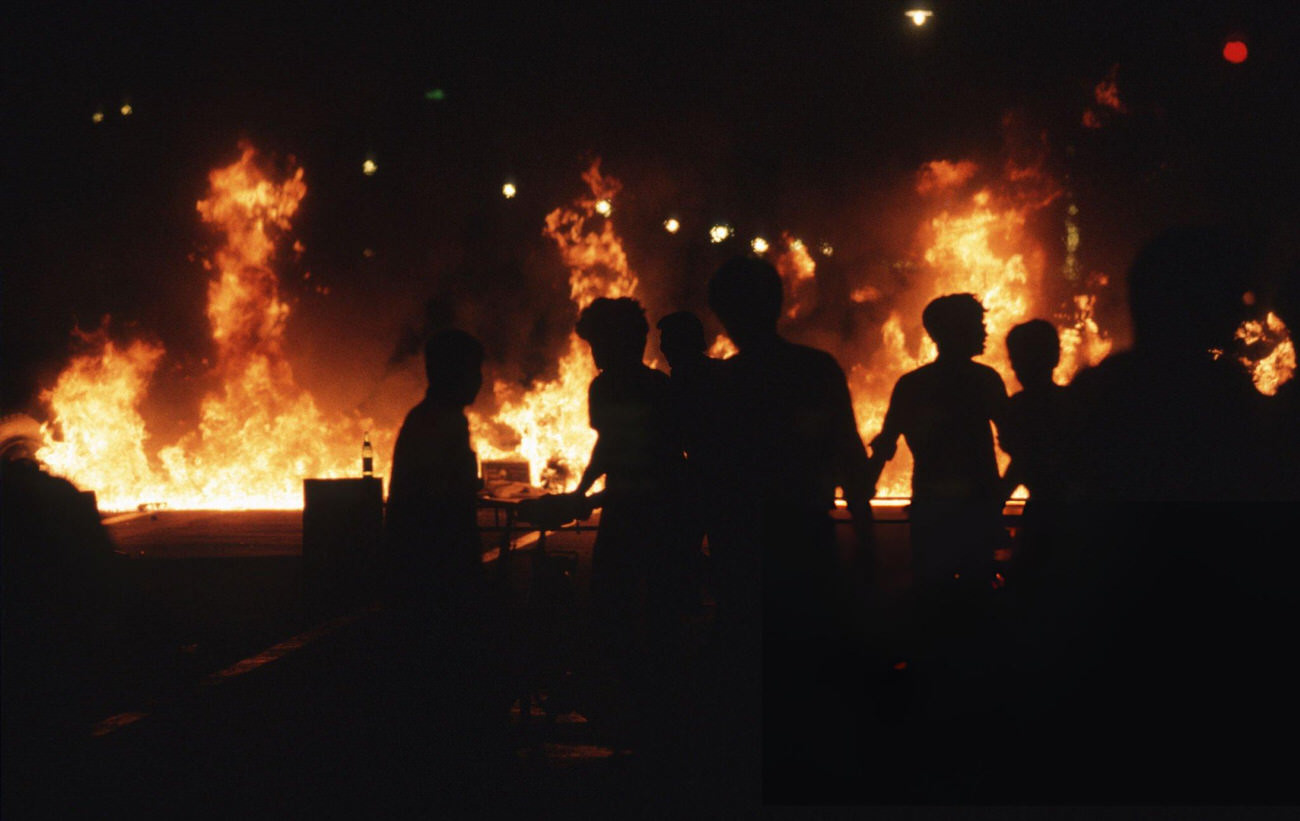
694,389
1034,434
943,410
1168,578
639,558
442,688
791,439
431,516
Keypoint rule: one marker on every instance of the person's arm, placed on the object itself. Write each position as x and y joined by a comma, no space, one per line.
595,469
885,444
851,471
999,411
596,465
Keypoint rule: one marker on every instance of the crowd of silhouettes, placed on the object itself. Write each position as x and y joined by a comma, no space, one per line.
1121,566
1146,614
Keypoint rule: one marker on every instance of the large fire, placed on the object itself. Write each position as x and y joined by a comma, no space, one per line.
548,423
259,433
977,243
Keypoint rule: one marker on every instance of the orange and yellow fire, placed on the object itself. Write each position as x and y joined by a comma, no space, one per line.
259,434
1277,367
976,244
549,421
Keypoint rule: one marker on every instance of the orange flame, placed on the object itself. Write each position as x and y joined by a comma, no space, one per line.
1277,367
260,434
548,423
798,271
979,246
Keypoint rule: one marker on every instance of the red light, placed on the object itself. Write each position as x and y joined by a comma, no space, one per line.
1234,51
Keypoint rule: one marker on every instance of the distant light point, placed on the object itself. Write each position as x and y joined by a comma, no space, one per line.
1235,51
508,190
126,109
719,233
672,226
759,245
604,207
435,94
919,17
369,168
97,117
827,249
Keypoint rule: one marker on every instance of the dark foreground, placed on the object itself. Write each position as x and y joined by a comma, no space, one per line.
227,683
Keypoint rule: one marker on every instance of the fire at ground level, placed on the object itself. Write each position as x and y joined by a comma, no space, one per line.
224,678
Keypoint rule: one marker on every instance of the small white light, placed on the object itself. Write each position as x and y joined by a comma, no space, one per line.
719,232
759,245
508,190
827,249
97,117
369,168
671,225
919,16
126,109
603,207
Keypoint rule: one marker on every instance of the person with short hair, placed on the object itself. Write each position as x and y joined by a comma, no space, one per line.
639,561
431,518
943,410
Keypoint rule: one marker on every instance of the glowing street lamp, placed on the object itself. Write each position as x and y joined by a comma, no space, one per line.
508,190
604,207
369,167
759,245
719,233
671,225
126,109
97,117
919,17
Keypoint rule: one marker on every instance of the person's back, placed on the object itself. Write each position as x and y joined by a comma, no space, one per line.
1036,423
1171,420
791,439
630,409
943,411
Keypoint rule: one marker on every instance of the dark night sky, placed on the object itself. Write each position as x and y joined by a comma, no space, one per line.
769,115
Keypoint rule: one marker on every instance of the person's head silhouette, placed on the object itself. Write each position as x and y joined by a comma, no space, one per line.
1185,293
745,293
453,363
956,324
616,329
1035,351
681,338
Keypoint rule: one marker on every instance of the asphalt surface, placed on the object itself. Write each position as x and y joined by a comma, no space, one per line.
225,678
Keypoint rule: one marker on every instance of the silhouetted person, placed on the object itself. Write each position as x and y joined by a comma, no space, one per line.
1176,567
431,516
792,439
694,391
443,687
639,557
1034,434
943,410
